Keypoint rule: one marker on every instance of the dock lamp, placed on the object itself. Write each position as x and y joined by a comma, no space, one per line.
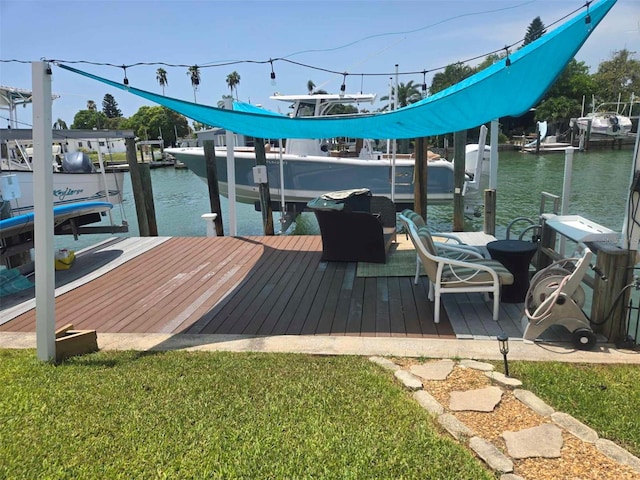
503,343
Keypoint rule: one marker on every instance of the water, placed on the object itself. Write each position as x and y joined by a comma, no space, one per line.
600,181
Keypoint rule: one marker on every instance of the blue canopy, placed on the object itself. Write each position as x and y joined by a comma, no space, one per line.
497,91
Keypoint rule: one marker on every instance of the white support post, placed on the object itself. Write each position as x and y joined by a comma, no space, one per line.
493,172
630,229
43,211
231,175
566,191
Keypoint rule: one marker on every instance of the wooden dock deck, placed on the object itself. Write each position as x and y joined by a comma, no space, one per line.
247,286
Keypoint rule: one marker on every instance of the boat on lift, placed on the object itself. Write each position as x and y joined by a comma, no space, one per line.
308,168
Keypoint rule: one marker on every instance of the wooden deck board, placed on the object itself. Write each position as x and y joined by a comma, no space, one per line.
251,285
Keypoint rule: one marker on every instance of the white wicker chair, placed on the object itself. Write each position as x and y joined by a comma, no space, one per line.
452,275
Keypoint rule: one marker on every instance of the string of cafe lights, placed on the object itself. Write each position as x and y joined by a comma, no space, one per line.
506,50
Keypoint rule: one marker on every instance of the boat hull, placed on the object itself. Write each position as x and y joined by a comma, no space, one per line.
68,188
308,177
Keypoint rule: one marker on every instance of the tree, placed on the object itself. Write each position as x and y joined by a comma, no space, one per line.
194,75
563,100
91,105
619,76
161,77
534,31
89,119
60,125
110,107
407,93
233,80
451,75
158,119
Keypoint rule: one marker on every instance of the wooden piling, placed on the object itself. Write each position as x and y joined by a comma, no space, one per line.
614,263
490,211
142,191
265,194
459,144
212,182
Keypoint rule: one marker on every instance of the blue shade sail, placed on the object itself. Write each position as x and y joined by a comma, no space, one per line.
497,91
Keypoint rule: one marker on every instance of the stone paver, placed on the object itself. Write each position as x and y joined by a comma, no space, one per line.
409,380
617,453
429,403
479,400
510,476
542,441
491,455
575,427
455,427
476,365
533,402
385,363
502,379
437,370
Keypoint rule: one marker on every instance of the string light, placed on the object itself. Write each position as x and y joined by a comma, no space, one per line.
284,59
424,83
343,87
587,19
273,74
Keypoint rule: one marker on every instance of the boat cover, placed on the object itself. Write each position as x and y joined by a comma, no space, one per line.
497,91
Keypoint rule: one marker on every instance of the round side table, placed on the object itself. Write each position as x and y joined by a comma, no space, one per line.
515,255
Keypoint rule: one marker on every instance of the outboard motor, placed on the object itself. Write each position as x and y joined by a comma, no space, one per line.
77,162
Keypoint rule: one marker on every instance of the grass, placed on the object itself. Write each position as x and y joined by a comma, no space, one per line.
216,415
605,397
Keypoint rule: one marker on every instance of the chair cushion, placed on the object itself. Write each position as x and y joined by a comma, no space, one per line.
417,220
456,272
427,241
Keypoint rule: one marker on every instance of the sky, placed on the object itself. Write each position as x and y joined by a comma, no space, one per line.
358,37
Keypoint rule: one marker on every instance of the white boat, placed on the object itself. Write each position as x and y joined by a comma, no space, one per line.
604,121
311,168
75,179
609,124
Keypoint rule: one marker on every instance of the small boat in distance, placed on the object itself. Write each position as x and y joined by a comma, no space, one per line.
548,144
606,124
604,121
311,167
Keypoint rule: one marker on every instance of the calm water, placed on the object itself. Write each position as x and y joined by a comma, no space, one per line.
600,181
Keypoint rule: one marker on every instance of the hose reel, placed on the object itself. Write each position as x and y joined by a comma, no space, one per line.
555,297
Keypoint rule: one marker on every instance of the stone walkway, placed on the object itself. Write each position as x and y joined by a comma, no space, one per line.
511,452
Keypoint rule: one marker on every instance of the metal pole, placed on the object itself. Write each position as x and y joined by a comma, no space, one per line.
43,211
395,143
231,175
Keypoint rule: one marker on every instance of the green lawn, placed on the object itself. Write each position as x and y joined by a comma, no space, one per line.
216,415
605,397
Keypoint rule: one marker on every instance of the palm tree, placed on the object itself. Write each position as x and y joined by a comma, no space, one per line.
407,93
91,105
194,74
451,75
233,80
161,77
